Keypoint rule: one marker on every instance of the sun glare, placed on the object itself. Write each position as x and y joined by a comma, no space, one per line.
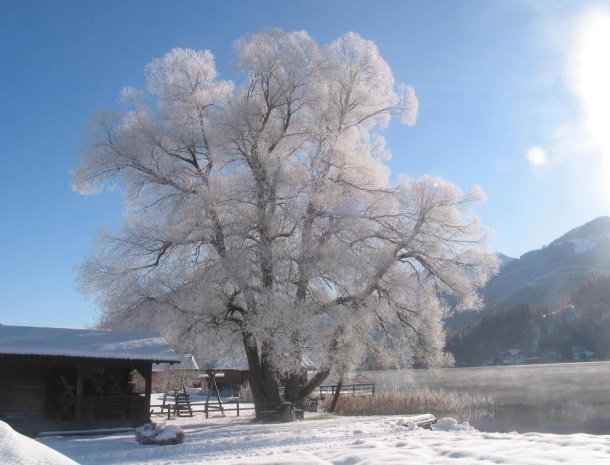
593,78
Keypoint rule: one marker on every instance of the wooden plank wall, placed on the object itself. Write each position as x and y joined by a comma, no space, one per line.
24,397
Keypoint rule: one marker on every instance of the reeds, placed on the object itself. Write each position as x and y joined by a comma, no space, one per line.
414,401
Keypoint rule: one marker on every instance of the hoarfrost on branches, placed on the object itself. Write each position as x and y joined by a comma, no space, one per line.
260,215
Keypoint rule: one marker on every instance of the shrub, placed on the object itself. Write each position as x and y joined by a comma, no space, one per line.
153,433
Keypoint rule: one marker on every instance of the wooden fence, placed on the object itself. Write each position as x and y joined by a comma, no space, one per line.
352,389
200,407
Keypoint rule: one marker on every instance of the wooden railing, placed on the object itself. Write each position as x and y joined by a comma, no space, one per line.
201,407
352,389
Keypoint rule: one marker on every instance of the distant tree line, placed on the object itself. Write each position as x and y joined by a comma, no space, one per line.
582,320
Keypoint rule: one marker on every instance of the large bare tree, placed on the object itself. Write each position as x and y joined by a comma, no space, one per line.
260,213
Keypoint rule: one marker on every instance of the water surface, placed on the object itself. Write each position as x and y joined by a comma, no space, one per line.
552,398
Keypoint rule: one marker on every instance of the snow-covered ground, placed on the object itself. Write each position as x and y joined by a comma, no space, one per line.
16,449
325,439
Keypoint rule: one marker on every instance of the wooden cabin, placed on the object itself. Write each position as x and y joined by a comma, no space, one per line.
228,380
230,377
168,377
55,379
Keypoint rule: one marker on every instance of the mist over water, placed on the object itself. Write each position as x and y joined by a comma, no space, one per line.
553,398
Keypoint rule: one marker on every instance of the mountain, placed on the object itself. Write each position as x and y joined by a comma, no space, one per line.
504,259
546,276
523,334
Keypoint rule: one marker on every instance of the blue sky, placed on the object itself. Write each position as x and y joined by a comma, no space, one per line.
494,79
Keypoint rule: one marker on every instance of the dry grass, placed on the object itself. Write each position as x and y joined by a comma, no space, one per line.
414,401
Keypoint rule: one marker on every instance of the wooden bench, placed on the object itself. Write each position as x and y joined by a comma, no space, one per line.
310,405
182,404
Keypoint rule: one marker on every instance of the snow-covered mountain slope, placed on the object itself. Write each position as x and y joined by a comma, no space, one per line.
548,275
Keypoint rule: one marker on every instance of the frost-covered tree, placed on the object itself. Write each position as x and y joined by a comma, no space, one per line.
260,213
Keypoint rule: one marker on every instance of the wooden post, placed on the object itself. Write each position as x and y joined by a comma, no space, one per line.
147,373
238,407
80,378
212,385
336,394
222,410
207,399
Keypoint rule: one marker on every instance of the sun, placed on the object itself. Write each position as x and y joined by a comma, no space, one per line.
536,156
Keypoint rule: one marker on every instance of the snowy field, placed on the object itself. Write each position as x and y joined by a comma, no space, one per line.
325,439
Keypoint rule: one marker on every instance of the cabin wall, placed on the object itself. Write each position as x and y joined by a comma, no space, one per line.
47,393
229,384
22,391
235,377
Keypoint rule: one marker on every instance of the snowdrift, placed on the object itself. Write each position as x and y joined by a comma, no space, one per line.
16,449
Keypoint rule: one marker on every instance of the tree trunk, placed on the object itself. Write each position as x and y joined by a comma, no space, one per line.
292,389
296,393
333,404
313,383
271,386
263,378
256,375
263,382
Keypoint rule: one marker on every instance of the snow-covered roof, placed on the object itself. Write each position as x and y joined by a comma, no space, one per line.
90,343
236,365
218,374
187,362
308,364
241,364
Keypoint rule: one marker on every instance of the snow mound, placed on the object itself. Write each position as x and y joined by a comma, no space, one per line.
451,424
170,434
16,449
152,433
409,425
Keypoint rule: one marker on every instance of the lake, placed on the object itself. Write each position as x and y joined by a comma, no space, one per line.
551,398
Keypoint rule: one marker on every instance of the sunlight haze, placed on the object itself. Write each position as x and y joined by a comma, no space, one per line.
592,83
